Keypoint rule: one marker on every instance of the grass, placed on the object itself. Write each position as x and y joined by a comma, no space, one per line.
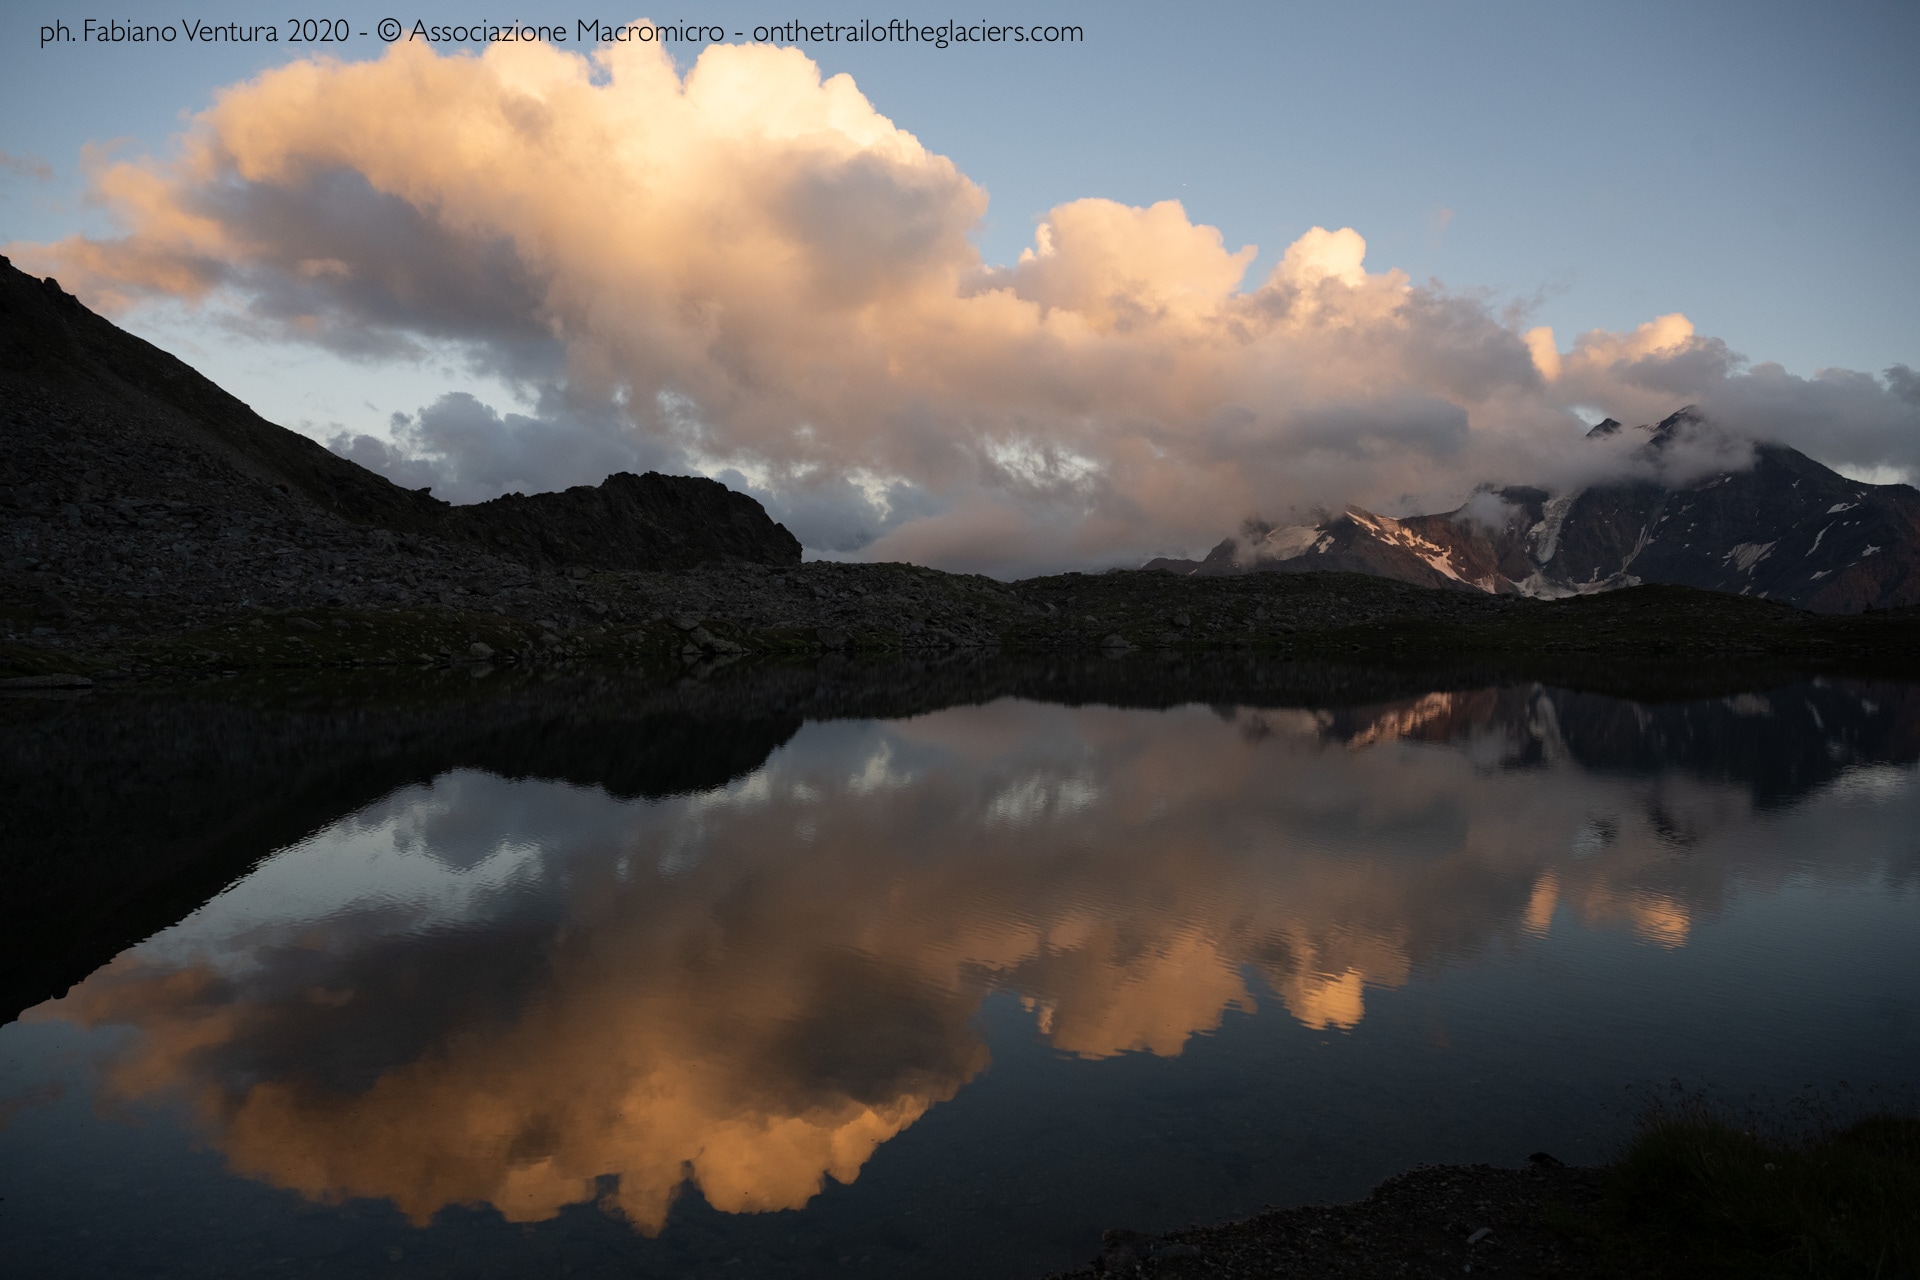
1806,1197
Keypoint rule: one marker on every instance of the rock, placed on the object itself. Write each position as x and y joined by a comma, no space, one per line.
303,624
479,652
60,681
684,622
831,637
1116,642
1122,1252
630,522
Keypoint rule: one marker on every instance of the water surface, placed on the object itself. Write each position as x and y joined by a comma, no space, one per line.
948,994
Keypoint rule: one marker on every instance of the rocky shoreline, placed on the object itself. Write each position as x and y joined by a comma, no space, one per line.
257,599
1447,1220
1697,1191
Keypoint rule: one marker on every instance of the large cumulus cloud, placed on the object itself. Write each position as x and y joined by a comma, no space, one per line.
748,271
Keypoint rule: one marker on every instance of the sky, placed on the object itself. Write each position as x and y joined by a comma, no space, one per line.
1006,307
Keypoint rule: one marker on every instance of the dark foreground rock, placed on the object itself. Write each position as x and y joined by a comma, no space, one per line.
383,609
1445,1221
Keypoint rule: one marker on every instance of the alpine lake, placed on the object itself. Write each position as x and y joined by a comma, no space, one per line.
913,969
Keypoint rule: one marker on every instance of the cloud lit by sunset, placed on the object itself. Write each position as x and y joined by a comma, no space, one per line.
751,272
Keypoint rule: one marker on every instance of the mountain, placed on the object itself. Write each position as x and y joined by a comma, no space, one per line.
101,422
1784,528
1354,541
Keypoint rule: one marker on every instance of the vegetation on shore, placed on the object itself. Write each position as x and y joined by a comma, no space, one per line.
1716,1195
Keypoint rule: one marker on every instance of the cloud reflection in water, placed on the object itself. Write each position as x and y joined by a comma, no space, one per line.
526,994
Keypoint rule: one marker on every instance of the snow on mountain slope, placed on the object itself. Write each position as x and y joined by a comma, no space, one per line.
1783,528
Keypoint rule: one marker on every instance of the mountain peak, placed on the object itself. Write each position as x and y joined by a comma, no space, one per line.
1778,526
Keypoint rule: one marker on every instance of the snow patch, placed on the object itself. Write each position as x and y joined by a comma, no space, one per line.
1285,544
1545,536
1746,555
1394,533
1540,587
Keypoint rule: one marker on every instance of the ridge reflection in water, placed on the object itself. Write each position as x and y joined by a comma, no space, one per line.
529,995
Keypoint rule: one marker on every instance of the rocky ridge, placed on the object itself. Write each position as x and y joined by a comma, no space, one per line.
629,522
107,434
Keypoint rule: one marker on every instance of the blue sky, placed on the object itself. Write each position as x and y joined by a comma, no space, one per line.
1754,165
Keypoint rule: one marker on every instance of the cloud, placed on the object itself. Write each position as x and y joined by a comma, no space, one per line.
749,270
469,451
1118,268
26,167
1488,509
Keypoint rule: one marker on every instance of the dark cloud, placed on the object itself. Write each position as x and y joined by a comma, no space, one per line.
26,167
469,451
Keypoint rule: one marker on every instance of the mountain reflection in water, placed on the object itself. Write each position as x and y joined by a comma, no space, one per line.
528,994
